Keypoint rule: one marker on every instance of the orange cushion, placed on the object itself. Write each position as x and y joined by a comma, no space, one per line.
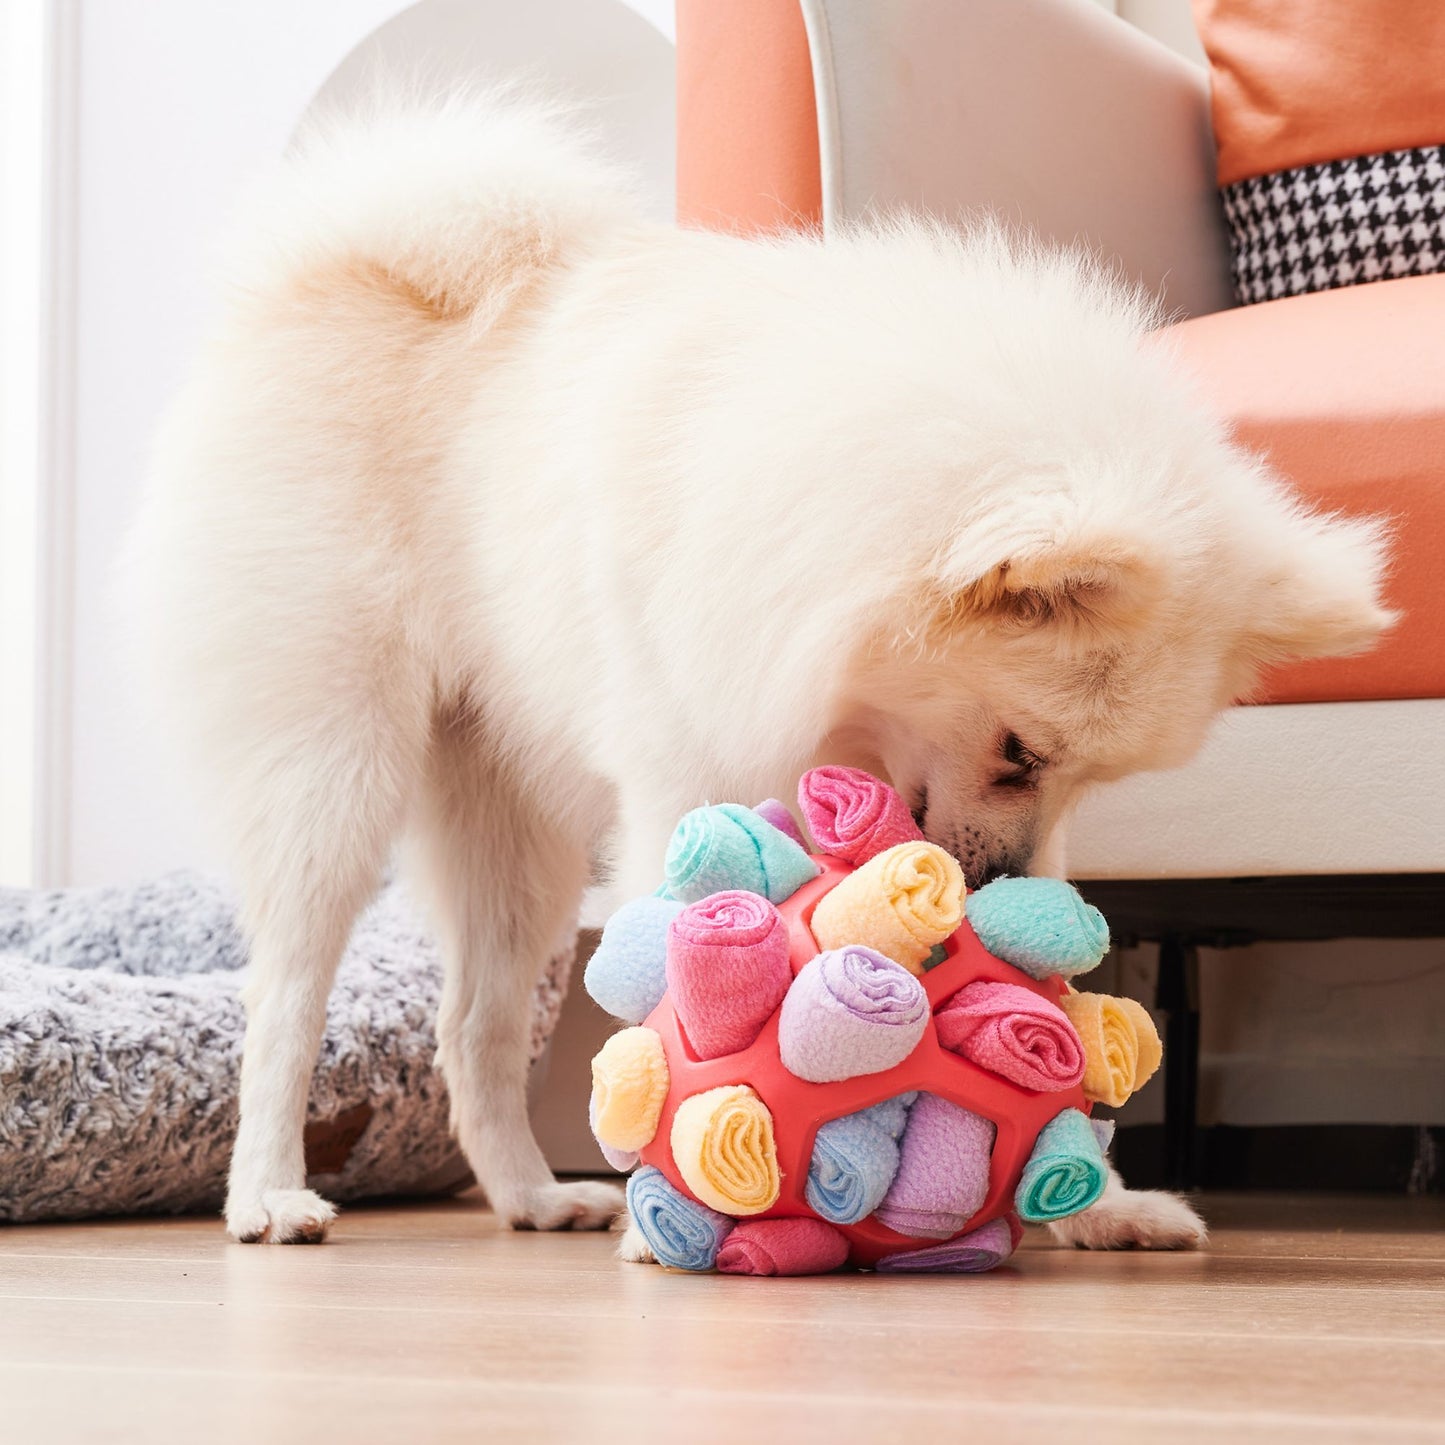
1301,81
1345,391
747,126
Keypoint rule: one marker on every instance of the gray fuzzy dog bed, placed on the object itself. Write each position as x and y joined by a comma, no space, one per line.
120,1052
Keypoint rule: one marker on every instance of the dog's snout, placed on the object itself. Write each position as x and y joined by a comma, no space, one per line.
920,811
981,877
981,857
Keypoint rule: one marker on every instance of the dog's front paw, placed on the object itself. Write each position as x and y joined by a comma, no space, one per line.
567,1206
280,1216
1134,1219
632,1247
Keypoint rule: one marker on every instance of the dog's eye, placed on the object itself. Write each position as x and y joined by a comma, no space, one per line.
1024,764
1015,751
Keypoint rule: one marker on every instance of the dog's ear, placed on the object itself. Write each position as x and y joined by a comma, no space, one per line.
1024,569
1321,591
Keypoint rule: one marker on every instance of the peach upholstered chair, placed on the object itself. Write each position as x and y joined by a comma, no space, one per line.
1319,810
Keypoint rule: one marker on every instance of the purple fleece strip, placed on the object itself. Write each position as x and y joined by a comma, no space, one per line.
850,1011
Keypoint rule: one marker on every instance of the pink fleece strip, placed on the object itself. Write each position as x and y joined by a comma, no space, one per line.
1013,1033
727,970
852,815
782,1246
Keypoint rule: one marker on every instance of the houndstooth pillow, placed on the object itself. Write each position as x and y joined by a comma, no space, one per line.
1369,218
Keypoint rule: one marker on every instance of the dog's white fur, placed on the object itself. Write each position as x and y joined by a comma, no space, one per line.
497,519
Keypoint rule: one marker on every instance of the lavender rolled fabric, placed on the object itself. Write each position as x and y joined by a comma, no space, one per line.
727,970
850,1011
943,1164
622,1160
980,1250
771,810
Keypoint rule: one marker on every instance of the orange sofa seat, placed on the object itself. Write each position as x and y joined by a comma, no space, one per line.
1344,391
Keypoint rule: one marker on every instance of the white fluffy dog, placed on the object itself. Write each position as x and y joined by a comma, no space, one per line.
500,520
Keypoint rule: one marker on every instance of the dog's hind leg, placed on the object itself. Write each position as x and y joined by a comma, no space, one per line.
313,811
505,880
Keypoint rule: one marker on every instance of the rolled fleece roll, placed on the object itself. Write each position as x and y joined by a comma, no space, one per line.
900,903
727,970
1040,925
722,1144
1066,1172
681,1233
852,815
976,1252
892,1114
943,1165
773,811
622,1160
728,846
627,975
850,1011
1121,1045
629,1086
782,1246
1012,1032
853,1163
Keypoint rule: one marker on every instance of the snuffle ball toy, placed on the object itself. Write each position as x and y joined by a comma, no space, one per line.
843,1057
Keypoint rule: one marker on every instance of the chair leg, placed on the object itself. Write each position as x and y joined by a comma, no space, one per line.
1178,998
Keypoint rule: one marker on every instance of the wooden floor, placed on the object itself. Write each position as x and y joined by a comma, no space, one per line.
1319,1319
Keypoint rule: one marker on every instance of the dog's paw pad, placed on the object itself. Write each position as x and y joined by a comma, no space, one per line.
569,1206
283,1216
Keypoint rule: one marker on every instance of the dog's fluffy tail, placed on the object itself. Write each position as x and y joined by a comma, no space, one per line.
453,205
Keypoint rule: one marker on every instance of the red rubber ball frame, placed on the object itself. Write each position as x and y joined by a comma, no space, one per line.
800,1108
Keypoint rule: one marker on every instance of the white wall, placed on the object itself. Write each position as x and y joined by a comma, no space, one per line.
22,153
178,103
